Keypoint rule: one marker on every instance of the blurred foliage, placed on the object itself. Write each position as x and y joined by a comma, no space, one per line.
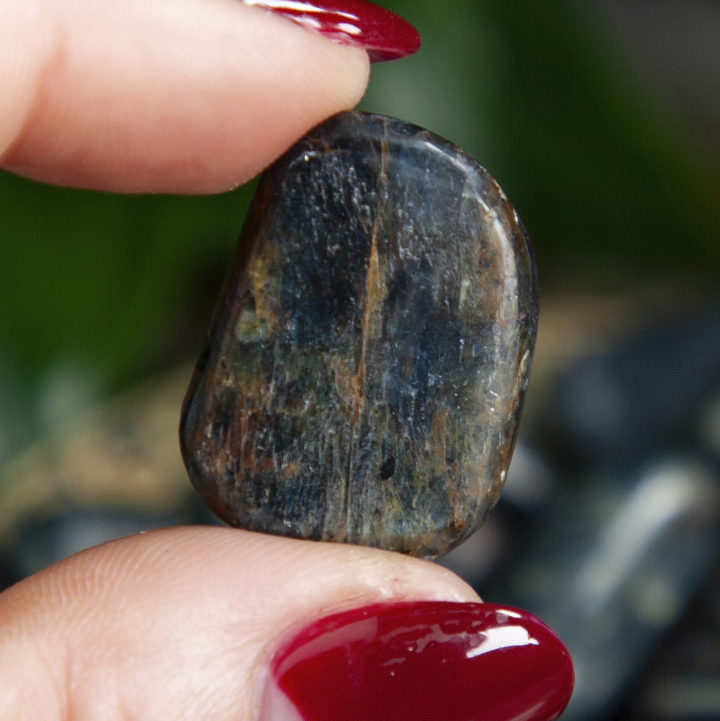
98,290
605,175
92,277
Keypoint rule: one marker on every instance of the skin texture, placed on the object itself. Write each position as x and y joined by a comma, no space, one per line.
181,96
187,96
180,623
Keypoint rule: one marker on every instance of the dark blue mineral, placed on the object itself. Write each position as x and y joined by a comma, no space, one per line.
365,368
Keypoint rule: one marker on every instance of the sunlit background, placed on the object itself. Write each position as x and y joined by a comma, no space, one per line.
601,121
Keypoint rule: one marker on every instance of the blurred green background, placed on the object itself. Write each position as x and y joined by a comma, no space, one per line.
582,111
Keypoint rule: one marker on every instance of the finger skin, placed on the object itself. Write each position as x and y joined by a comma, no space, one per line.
182,96
180,623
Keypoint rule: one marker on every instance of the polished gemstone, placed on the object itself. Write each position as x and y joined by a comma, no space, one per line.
365,368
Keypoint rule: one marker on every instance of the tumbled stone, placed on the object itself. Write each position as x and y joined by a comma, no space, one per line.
364,371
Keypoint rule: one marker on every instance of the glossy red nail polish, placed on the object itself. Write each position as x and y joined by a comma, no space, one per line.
426,661
383,34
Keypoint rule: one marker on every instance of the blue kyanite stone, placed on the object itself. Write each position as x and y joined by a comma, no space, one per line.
365,368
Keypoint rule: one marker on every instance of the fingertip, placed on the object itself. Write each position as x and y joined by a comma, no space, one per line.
190,96
199,610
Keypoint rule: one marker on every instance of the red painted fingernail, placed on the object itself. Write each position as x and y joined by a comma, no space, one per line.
383,34
421,661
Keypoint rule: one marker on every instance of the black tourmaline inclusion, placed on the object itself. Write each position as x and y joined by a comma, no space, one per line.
365,368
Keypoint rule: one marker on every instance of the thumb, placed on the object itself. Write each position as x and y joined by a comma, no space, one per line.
192,623
178,623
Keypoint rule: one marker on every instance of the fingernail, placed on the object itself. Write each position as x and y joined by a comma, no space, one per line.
383,34
421,661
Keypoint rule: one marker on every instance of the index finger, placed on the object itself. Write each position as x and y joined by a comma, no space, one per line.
182,96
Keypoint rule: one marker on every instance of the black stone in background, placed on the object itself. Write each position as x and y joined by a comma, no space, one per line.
682,680
642,397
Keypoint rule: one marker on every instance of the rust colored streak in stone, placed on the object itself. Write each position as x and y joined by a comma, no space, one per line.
371,317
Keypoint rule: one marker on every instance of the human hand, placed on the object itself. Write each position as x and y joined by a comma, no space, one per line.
178,96
197,96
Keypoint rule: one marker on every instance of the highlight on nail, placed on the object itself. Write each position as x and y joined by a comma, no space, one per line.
421,661
382,33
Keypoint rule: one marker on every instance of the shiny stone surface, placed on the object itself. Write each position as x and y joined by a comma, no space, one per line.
365,368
